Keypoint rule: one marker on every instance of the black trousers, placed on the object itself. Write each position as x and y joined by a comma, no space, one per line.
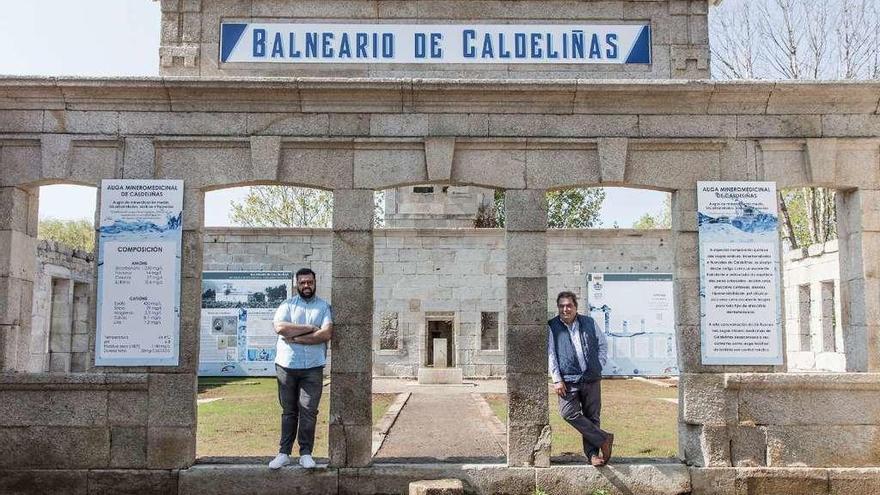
581,408
299,392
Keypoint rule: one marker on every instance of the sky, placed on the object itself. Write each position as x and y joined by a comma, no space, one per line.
121,38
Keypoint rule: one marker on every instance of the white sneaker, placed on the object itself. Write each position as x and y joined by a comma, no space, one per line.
306,461
279,461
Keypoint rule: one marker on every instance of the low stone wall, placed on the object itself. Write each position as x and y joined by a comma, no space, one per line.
813,323
455,273
785,420
96,421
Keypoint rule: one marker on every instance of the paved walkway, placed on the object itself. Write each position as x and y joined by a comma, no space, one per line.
440,423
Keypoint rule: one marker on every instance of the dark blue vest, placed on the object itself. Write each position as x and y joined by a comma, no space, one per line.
567,360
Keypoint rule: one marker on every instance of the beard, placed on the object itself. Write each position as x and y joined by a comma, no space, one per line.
306,292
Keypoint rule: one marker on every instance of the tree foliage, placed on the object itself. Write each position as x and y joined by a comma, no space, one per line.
283,206
76,234
566,209
658,220
801,40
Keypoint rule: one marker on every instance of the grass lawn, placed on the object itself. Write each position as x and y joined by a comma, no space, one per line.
643,425
246,421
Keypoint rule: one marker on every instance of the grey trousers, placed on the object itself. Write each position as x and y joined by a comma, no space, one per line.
299,392
581,407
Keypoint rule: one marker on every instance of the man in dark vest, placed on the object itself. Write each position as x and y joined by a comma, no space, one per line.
577,350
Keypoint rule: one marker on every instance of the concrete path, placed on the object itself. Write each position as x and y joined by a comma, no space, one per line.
441,426
401,385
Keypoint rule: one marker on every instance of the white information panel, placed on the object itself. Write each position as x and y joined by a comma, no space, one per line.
237,334
139,273
635,312
740,304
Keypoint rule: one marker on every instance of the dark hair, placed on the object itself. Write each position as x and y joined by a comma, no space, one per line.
567,294
304,271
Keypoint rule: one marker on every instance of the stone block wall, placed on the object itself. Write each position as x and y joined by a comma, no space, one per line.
813,324
420,274
680,35
60,324
779,420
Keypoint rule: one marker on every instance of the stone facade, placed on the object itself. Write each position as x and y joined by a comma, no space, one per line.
813,330
524,132
420,274
59,339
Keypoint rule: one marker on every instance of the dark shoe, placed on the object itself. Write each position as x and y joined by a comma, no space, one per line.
606,448
596,461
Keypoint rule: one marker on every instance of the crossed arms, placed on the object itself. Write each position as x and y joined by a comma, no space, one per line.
303,334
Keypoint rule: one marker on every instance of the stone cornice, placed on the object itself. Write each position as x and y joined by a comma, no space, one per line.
558,96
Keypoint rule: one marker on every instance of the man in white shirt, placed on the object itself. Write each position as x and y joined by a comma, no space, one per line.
304,325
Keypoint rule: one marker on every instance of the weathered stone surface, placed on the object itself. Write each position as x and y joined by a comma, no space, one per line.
53,408
859,481
612,159
527,349
326,166
704,446
525,210
527,398
489,165
477,478
782,481
350,445
528,445
28,482
748,445
351,348
353,210
439,153
131,482
256,480
823,446
526,300
54,447
778,126
350,398
128,447
617,479
265,157
421,124
548,167
171,447
172,399
353,254
436,487
380,168
526,254
563,125
797,407
705,401
353,300
713,481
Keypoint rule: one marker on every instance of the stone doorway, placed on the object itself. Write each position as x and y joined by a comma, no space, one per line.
440,329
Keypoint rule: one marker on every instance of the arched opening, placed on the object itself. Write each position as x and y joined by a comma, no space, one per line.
812,283
256,238
439,324
61,321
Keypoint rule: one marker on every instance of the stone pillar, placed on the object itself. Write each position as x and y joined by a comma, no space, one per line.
528,426
352,298
18,249
858,216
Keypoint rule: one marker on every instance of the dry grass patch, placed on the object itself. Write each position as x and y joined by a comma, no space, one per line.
246,420
643,424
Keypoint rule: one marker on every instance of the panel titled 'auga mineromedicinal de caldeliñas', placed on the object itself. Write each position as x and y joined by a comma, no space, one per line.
292,43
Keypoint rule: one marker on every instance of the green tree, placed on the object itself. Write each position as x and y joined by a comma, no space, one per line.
76,234
808,216
575,208
284,206
566,209
658,220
